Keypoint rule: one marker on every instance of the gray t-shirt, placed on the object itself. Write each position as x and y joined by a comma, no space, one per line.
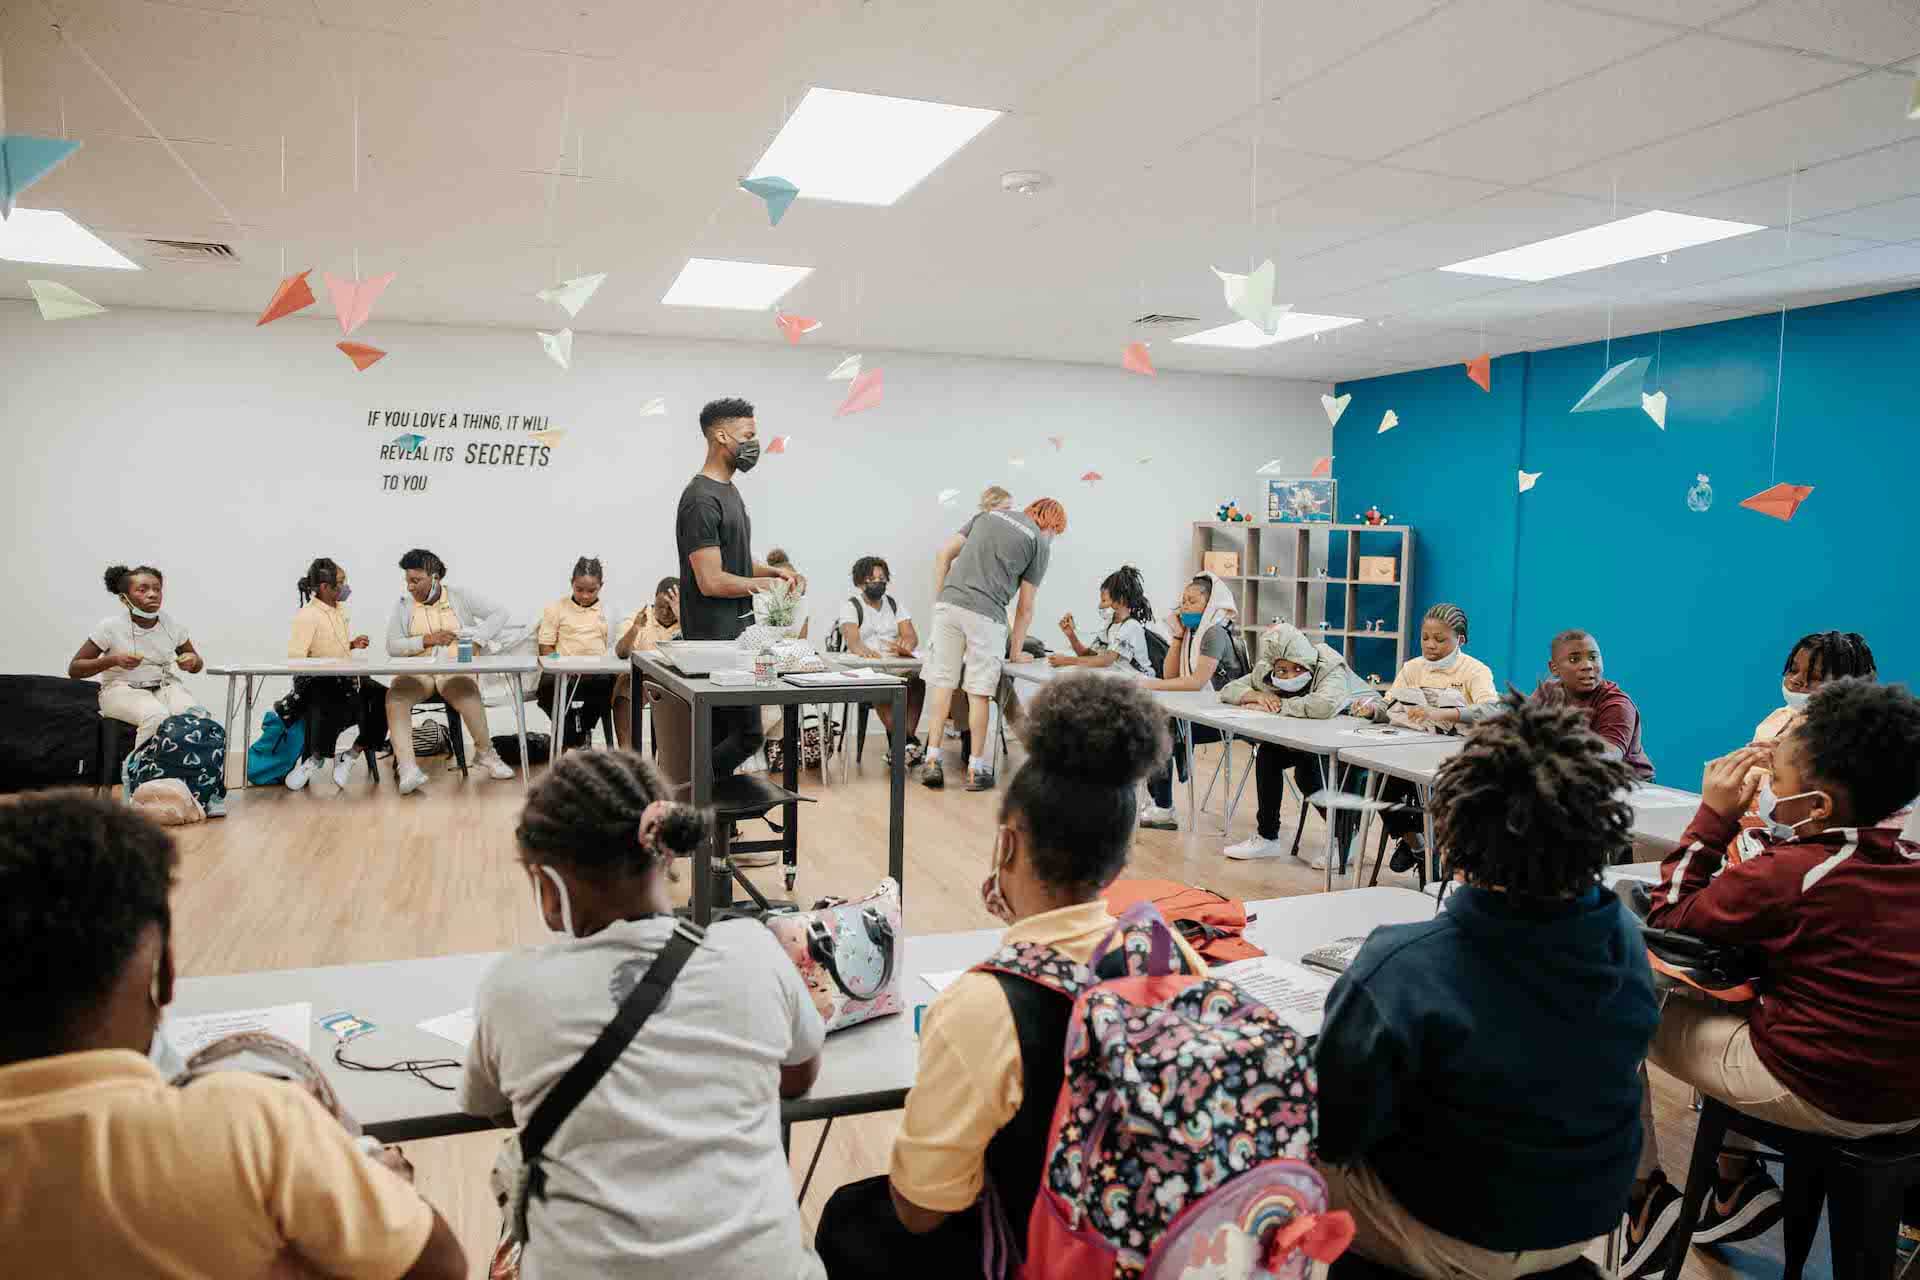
1217,643
1003,550
672,1165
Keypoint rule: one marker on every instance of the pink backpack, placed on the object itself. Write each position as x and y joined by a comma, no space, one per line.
1180,1143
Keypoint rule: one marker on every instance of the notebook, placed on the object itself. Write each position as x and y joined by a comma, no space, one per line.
1335,956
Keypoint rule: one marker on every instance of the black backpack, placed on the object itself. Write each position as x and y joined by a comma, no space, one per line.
1157,646
836,641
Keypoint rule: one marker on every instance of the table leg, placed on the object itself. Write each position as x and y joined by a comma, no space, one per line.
790,717
226,726
897,792
1193,810
520,727
1426,824
701,767
1374,784
246,726
553,716
1330,774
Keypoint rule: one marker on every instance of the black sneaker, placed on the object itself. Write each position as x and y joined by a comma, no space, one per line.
1649,1247
933,778
979,779
916,754
1741,1212
1405,857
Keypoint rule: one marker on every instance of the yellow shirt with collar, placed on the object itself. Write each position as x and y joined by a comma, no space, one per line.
106,1161
320,630
651,633
970,1082
438,616
574,632
1472,677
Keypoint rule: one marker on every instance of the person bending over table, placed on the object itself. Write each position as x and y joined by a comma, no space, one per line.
111,1169
645,628
576,626
871,624
1293,676
977,573
321,630
134,651
1833,1046
430,618
1203,654
1479,1072
671,1166
991,1045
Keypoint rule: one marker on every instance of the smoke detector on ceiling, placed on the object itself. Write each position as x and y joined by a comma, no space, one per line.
205,251
1025,182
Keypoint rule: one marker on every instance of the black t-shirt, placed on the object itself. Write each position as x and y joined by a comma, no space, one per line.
713,515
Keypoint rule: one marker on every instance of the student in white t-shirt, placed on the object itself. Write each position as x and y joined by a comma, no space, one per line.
1125,615
873,625
672,1165
138,653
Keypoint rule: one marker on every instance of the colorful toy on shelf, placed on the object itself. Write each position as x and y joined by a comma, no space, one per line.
1230,513
1372,516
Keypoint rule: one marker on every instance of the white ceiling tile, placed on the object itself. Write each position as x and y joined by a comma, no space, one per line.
1369,200
1500,222
1302,41
1688,13
1894,220
1871,31
1757,251
1869,178
1889,266
1417,294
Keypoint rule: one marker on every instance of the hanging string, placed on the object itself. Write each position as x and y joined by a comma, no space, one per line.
1253,150
1780,352
1607,362
1658,338
553,173
283,202
356,174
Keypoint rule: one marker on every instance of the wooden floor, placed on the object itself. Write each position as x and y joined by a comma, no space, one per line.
324,877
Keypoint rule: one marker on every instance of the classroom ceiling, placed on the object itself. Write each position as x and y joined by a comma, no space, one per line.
503,144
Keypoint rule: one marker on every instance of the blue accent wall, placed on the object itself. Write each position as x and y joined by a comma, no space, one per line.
1694,611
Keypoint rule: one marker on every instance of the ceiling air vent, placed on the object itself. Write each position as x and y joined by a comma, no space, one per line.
188,251
1154,317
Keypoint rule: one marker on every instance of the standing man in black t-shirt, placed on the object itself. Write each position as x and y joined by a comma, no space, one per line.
717,569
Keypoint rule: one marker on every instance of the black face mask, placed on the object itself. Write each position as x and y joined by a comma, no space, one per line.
875,591
746,455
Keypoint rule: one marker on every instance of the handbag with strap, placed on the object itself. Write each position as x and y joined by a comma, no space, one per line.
517,1174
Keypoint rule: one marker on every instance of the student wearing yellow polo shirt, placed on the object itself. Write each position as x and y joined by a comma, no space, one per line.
321,629
980,1108
112,1171
576,626
645,628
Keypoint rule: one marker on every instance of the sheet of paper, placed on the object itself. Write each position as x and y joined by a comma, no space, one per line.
794,326
1388,733
353,299
25,158
361,354
1295,992
571,295
1480,370
1529,478
559,346
863,393
1779,501
846,371
1134,359
57,302
1388,422
1662,798
1656,408
1335,406
777,192
941,981
1618,388
456,1026
294,294
193,1032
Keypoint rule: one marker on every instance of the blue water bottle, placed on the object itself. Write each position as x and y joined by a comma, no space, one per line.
466,649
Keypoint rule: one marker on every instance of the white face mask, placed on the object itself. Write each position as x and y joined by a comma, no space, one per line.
1106,617
1290,684
1447,663
566,905
1798,701
145,615
1766,802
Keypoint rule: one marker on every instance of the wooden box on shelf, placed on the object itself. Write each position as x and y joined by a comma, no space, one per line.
1379,569
1224,564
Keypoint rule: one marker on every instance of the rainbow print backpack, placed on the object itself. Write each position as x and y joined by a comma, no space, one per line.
1181,1139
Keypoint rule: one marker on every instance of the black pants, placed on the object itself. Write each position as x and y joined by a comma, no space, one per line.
594,694
860,1238
736,735
337,703
1400,791
1269,780
1160,785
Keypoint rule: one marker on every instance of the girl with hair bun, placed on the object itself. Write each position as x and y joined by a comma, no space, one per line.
577,626
138,652
672,1163
321,629
981,1104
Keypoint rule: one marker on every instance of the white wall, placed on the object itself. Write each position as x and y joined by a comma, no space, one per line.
231,455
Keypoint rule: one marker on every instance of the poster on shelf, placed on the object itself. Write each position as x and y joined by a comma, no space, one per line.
1306,500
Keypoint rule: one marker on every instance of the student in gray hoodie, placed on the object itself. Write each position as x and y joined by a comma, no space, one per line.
431,618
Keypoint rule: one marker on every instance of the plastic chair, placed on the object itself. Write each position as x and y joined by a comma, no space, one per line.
1861,1180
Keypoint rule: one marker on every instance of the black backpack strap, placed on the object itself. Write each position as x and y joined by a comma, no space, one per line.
634,1011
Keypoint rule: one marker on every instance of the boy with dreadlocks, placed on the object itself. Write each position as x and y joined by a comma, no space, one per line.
1479,1072
1815,659
1125,616
1834,1048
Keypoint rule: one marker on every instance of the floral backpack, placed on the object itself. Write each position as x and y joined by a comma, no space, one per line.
1181,1139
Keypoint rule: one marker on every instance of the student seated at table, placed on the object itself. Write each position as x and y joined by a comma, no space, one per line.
873,625
671,1166
134,651
1833,1045
1578,679
645,628
1203,653
1479,1072
576,626
1815,659
321,629
430,619
1443,664
1293,676
981,1103
110,1169
1125,615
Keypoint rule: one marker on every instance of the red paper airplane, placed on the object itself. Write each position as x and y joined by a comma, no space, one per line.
1092,476
794,326
293,295
1323,466
1480,369
778,444
1058,442
1779,501
864,393
361,354
1134,359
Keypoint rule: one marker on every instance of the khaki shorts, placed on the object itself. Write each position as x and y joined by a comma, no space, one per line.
963,638
1385,1232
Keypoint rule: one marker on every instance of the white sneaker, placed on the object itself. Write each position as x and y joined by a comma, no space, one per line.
1256,846
1155,818
412,779
302,770
1318,861
342,766
497,769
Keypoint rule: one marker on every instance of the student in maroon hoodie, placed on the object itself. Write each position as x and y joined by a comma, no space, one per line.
1833,1047
1577,678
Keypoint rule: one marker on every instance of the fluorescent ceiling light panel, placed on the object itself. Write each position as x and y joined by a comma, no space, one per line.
1640,236
51,237
734,286
1245,334
861,148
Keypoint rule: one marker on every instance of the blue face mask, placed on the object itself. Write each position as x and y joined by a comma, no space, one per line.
1190,620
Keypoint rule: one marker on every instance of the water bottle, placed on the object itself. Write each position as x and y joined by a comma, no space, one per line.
466,649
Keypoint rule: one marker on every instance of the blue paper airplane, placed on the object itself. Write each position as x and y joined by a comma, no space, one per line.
777,192
412,444
25,159
1618,388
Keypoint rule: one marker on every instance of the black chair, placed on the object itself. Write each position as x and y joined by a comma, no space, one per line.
454,729
116,744
1863,1182
1351,1266
363,746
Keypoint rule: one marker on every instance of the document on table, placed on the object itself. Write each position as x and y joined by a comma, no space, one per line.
191,1033
1388,733
456,1026
1239,713
1651,797
1295,992
941,981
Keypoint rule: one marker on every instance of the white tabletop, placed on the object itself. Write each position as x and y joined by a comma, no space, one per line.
1417,757
595,664
505,664
853,661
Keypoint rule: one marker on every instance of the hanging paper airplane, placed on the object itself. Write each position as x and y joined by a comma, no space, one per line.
1275,467
1016,462
353,299
947,496
1529,478
559,346
1144,461
1134,359
654,408
794,326
1322,466
1092,477
1335,407
1618,388
1058,442
846,370
778,444
1656,407
1779,501
864,393
361,354
1251,297
26,158
1388,423
571,295
408,443
777,192
57,302
294,294
1480,369
550,437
